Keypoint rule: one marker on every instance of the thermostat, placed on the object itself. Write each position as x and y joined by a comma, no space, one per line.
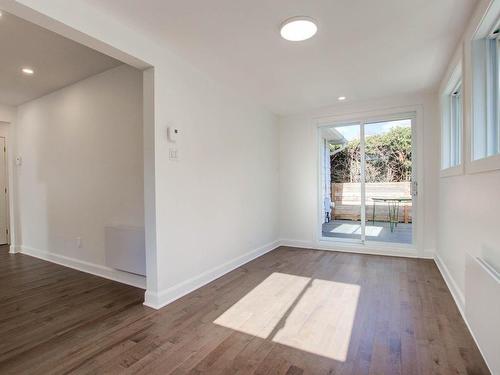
172,134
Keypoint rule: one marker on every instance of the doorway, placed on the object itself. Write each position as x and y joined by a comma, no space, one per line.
368,178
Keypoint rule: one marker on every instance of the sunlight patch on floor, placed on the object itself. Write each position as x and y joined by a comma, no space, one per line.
259,311
347,229
322,321
370,230
373,231
312,315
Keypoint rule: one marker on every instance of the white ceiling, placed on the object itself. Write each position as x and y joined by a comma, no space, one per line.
363,49
57,61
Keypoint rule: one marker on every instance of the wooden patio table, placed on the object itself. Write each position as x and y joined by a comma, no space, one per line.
393,206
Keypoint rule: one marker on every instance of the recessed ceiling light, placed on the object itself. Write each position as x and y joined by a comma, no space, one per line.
297,29
28,71
341,98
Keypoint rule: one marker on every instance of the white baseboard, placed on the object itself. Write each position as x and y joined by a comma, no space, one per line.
80,265
456,293
397,251
14,249
164,297
298,243
429,254
459,299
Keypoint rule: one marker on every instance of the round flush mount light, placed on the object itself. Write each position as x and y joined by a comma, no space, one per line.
28,71
341,98
297,29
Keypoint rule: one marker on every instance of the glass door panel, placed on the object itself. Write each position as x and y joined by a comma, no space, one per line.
388,179
341,178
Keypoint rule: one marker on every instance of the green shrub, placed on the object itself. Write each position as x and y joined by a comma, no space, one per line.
388,158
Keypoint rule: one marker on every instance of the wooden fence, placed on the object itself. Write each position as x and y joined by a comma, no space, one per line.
347,200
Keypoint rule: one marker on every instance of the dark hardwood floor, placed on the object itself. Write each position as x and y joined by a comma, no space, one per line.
289,312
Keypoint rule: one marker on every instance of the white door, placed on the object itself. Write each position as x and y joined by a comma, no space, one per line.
4,223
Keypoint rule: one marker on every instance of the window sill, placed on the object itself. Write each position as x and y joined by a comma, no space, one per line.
488,164
457,170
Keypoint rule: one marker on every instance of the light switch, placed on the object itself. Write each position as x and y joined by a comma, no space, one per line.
173,154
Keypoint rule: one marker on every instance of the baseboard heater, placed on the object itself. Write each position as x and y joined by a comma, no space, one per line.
125,249
482,308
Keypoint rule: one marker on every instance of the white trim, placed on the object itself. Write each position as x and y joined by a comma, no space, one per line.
384,114
358,248
80,265
488,164
488,21
362,145
456,293
416,113
13,249
457,170
483,94
167,296
459,299
455,82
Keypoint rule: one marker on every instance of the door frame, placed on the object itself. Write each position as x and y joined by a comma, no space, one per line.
373,247
7,188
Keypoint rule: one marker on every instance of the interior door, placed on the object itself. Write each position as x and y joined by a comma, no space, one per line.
3,194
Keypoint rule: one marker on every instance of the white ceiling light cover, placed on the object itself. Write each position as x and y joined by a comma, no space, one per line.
297,29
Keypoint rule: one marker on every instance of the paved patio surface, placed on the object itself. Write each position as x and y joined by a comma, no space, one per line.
380,231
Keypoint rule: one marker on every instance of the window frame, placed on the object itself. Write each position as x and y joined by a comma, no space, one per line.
485,120
452,125
456,125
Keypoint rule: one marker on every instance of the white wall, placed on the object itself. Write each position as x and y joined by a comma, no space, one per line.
217,206
299,163
7,113
469,204
82,169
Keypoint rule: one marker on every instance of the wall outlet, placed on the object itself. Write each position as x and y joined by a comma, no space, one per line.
79,242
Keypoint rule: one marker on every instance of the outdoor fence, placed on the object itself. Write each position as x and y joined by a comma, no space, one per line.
347,200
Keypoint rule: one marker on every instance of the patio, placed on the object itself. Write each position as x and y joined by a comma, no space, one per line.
380,231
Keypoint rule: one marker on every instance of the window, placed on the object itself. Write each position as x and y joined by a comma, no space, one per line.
451,132
456,125
486,94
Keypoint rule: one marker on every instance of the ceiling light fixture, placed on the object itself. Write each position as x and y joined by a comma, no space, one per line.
341,98
297,29
28,71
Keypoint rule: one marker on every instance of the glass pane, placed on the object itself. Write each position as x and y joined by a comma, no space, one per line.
388,173
493,136
342,182
497,109
455,126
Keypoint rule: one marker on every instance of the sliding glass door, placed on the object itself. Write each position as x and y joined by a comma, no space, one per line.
342,182
367,176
